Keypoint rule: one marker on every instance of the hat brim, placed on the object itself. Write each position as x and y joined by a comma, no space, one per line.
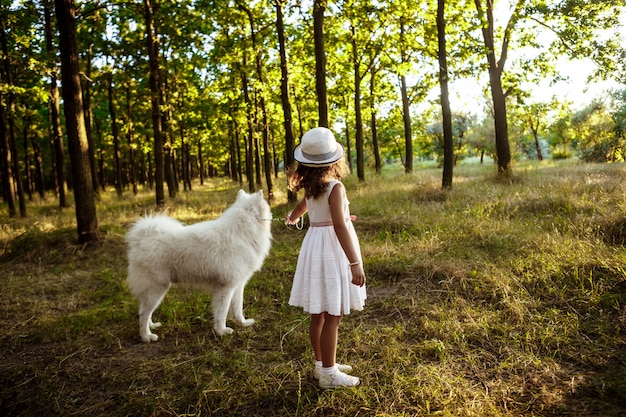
330,160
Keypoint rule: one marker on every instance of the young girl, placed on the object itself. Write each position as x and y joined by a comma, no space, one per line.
329,279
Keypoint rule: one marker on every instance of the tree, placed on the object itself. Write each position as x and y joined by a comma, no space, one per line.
569,27
319,6
10,118
367,25
75,124
55,107
448,145
284,92
153,57
495,67
264,117
5,161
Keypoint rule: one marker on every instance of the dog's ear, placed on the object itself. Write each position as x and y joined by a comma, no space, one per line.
240,194
260,193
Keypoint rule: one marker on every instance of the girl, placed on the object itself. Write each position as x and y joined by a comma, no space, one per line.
329,279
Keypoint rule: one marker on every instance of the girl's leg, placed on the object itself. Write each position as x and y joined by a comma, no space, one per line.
328,339
315,333
330,374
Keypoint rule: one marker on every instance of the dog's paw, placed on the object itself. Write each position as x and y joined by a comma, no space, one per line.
155,325
223,331
150,337
247,322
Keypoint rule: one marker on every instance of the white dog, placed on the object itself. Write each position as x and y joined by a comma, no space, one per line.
218,255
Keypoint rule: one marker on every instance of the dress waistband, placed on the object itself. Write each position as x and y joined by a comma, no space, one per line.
329,223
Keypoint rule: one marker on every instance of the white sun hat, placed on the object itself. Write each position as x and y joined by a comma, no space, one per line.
318,148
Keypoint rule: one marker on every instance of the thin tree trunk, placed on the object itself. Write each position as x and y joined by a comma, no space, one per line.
267,156
131,145
448,145
39,171
89,119
535,129
116,140
27,164
170,160
319,6
5,162
348,141
375,145
55,109
358,119
250,137
9,114
406,116
153,60
408,134
284,94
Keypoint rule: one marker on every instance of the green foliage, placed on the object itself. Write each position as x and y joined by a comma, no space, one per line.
597,136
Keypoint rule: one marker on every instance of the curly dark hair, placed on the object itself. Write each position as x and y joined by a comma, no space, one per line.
314,180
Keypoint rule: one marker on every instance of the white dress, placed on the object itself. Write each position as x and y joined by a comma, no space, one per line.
323,280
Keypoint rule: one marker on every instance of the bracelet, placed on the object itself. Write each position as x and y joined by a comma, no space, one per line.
354,263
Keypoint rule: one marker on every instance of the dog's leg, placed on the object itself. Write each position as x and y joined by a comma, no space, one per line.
148,302
236,306
221,302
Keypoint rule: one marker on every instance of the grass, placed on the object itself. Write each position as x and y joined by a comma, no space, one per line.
496,298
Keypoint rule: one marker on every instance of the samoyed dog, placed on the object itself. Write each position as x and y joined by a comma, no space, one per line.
217,255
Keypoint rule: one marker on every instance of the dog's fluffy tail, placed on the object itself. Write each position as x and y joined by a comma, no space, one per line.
152,225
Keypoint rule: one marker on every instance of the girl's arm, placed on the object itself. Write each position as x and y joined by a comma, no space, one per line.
297,212
343,234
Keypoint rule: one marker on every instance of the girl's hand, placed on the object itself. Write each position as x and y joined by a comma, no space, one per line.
358,275
289,221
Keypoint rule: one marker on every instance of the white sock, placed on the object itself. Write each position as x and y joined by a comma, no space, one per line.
328,371
318,364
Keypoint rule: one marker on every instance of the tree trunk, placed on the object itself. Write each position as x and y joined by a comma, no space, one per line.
408,134
448,145
358,119
250,136
153,59
75,124
131,145
348,140
503,151
26,127
284,94
10,112
39,172
101,163
377,161
116,139
89,119
170,160
319,7
267,156
535,130
406,116
55,110
201,168
5,162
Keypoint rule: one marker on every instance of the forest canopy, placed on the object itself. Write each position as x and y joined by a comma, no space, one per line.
176,92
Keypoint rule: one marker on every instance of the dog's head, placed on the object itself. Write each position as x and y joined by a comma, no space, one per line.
255,205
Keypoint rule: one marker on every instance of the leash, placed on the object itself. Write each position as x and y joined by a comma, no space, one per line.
299,224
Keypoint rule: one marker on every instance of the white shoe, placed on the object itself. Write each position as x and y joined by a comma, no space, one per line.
338,379
340,367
